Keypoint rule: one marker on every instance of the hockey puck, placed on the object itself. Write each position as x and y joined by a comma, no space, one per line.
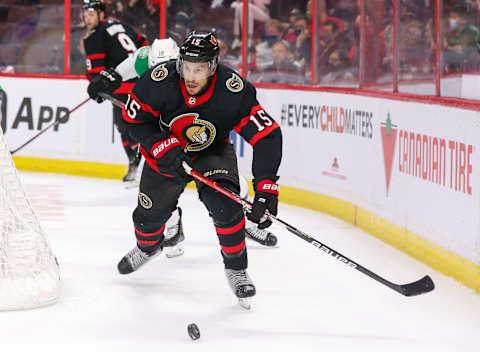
193,331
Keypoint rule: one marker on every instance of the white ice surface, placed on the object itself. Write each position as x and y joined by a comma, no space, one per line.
306,300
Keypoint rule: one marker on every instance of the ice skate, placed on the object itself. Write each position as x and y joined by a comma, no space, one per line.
261,236
241,285
174,236
134,259
132,171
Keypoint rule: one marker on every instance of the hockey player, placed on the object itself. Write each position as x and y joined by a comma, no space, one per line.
107,43
134,66
184,112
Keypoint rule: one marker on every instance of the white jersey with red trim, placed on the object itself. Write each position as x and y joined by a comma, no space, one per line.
159,101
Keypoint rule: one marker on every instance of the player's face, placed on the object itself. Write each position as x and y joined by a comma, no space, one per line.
91,18
195,75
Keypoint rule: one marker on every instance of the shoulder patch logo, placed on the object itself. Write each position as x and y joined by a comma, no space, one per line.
159,73
145,200
234,83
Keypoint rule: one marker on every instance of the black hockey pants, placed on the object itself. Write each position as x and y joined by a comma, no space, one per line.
158,197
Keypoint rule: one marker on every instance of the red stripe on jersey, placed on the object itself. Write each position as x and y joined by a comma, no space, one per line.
128,119
159,149
234,249
230,230
96,56
125,143
145,107
151,161
124,88
150,234
246,119
202,98
263,133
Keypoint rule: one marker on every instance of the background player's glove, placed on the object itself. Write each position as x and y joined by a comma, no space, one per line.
169,156
107,81
266,198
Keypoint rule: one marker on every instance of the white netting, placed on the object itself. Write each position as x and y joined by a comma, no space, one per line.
29,274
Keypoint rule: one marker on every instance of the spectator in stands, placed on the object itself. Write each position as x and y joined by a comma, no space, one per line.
334,59
225,57
413,49
345,10
115,9
257,11
461,42
338,67
220,3
323,15
181,27
289,28
151,23
303,43
283,69
371,58
272,32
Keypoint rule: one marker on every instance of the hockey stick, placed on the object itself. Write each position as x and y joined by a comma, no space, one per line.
418,287
47,128
114,101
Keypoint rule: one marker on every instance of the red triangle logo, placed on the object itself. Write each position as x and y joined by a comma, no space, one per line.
389,138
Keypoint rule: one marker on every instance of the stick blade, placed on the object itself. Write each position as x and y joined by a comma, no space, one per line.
424,285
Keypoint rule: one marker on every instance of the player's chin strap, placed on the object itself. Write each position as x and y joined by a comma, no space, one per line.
418,287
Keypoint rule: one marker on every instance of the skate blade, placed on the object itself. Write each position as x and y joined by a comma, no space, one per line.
175,251
245,303
131,184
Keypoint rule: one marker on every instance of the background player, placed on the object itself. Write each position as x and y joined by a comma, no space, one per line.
107,43
184,112
134,66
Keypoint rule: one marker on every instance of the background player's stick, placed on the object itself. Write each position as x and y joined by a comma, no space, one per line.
116,102
418,287
47,128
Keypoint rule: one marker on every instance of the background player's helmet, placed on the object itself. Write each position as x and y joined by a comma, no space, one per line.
199,47
96,5
162,50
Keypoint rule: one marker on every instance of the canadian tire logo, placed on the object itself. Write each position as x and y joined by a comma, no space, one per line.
389,137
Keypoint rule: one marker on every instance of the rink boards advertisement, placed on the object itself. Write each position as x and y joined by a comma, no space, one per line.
413,164
32,104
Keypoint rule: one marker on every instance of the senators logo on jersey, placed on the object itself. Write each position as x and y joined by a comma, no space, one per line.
193,133
159,73
234,83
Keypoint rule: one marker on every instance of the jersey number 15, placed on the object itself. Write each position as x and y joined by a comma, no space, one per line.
132,107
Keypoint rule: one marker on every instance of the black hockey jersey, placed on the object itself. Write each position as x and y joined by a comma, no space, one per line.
159,101
109,44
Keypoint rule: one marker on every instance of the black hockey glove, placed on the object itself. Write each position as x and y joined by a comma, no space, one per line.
170,156
266,198
107,81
